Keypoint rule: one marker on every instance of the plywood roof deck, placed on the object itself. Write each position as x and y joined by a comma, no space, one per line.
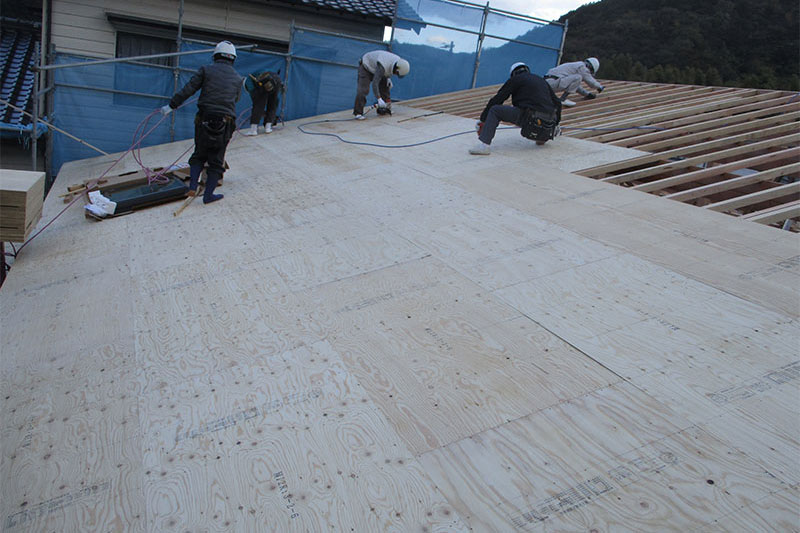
370,339
727,149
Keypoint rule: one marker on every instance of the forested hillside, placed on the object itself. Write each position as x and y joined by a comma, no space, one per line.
741,43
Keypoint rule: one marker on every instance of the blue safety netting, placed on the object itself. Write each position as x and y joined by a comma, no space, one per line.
85,106
323,73
439,38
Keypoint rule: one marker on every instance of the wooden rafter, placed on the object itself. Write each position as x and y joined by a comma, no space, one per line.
694,134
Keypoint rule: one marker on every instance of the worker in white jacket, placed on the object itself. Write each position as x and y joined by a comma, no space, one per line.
567,77
376,68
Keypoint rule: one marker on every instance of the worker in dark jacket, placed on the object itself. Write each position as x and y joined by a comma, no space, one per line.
264,89
528,92
220,86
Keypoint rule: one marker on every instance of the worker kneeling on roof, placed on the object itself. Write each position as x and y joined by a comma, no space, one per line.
377,68
567,77
264,89
220,86
535,108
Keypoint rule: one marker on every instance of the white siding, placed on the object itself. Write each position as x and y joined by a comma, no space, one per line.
81,26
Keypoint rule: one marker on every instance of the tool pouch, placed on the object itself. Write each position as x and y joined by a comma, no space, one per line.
215,129
538,126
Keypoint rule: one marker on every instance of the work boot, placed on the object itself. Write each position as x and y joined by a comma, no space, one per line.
266,128
360,117
212,178
480,149
194,178
252,131
566,102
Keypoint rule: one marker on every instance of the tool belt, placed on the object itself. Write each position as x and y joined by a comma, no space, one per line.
538,126
215,128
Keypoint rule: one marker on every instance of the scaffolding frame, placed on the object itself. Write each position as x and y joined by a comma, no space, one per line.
44,67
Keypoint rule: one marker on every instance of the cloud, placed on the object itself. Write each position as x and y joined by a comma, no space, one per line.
543,9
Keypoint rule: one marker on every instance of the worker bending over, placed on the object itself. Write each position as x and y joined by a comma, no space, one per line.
567,77
535,108
220,86
264,89
377,68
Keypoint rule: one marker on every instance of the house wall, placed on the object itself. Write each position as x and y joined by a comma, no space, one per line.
81,26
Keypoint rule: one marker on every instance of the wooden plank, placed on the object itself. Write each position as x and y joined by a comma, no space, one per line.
734,127
725,168
695,122
674,111
735,183
756,197
777,214
643,160
783,140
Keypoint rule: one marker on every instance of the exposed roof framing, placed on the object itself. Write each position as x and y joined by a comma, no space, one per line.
728,149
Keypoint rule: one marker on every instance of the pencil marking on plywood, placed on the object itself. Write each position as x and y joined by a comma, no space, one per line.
28,438
374,300
54,504
758,385
535,245
241,416
285,494
789,264
62,281
661,321
440,340
583,493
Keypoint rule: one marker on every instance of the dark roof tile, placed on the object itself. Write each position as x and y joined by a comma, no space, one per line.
370,8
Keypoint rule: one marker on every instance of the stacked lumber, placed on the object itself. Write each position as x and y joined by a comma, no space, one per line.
21,199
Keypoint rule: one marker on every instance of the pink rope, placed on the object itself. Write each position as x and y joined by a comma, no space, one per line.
135,150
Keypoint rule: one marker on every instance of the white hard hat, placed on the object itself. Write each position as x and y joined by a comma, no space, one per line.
402,67
517,65
595,64
226,50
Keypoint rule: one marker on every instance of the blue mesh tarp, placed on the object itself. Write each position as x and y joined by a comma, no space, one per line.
323,74
321,79
104,119
498,56
109,120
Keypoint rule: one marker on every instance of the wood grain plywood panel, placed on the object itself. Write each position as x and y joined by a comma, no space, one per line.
304,341
445,379
754,410
344,259
766,429
776,512
298,436
599,297
616,471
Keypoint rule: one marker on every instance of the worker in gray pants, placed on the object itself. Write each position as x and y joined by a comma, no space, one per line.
376,68
567,77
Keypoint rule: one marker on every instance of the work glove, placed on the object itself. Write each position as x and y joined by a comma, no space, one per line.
381,103
600,89
479,127
590,96
166,110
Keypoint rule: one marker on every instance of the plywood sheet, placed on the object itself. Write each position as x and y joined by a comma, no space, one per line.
615,470
376,339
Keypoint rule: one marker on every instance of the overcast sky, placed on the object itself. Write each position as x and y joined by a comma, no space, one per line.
543,9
